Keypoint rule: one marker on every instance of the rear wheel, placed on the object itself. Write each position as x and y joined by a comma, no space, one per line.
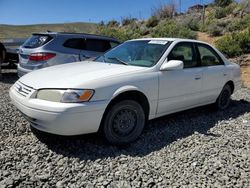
124,122
224,98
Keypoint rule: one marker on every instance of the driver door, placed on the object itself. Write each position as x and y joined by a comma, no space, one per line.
180,89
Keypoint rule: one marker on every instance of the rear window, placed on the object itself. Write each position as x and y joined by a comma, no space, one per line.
37,41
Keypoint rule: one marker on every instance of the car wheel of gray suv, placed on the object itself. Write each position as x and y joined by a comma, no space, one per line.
124,122
224,98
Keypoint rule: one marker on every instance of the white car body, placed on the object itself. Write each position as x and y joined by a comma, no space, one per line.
166,91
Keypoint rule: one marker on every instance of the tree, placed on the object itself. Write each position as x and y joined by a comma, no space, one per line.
223,3
113,23
165,10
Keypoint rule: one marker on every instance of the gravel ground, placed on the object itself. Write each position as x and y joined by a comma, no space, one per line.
196,148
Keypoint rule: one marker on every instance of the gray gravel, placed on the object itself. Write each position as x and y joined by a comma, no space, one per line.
196,148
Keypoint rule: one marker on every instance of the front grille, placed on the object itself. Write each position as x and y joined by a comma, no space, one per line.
23,89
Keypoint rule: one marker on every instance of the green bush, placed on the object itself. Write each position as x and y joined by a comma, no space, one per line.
239,24
121,34
152,22
223,3
164,11
194,25
243,38
228,46
234,44
171,29
214,29
113,23
191,21
220,12
128,20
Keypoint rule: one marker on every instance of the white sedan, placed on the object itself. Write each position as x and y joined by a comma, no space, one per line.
117,93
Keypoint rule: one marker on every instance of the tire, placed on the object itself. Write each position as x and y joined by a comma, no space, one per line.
124,122
224,99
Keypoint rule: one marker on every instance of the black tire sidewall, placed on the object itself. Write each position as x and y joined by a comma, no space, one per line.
108,129
226,88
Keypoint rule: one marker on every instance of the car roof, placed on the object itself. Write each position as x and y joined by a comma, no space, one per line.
80,34
170,39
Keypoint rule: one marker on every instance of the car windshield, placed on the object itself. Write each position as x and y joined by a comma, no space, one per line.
145,53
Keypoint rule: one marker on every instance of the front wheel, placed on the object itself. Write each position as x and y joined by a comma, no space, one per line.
224,98
124,122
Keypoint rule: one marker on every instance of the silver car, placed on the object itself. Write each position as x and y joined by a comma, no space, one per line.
53,48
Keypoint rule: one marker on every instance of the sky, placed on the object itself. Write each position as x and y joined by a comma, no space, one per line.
25,12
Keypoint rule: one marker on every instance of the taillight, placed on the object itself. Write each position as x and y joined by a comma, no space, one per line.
42,56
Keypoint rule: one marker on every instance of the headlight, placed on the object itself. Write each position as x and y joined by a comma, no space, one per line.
65,96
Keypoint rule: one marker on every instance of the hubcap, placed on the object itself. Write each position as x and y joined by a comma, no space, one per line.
124,122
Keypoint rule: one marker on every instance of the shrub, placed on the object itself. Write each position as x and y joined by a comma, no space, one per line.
171,29
128,20
220,12
144,30
243,38
223,3
234,44
152,22
214,29
164,11
113,23
239,24
194,25
121,34
228,46
191,21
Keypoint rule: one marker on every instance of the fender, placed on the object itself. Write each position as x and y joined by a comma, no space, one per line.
152,104
124,89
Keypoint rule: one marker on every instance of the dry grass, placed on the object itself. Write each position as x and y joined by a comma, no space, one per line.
11,31
206,38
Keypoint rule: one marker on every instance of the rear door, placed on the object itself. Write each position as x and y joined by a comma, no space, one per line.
94,47
73,48
214,73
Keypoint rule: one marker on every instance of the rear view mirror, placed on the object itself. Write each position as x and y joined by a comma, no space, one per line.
172,65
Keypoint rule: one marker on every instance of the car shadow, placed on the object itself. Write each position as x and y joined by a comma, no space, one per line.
158,133
9,76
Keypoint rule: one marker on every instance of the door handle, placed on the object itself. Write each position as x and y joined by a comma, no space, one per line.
85,56
197,77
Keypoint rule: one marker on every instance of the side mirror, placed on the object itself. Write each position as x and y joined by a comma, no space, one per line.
172,65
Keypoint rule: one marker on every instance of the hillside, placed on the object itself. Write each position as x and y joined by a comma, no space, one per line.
23,31
225,24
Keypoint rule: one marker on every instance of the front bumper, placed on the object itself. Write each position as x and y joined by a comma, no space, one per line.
60,118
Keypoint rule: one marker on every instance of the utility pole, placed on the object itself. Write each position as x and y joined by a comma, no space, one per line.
203,14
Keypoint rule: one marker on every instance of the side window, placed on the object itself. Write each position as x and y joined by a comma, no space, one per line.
113,44
184,52
208,56
75,43
97,45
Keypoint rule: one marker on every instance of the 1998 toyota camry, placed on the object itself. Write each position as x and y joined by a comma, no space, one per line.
117,93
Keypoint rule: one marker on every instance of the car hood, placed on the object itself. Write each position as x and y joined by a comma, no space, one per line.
75,75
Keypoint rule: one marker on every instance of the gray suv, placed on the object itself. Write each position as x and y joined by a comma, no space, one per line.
53,48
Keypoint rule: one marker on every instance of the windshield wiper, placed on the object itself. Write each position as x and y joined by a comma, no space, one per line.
118,60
